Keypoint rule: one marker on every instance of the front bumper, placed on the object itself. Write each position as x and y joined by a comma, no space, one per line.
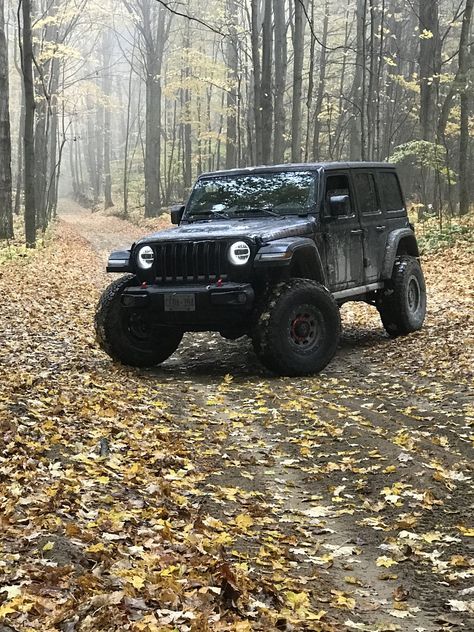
213,306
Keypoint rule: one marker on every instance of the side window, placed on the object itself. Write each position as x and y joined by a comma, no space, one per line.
366,193
390,192
338,185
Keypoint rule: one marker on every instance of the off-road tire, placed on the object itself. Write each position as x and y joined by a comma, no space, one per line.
298,328
115,335
402,306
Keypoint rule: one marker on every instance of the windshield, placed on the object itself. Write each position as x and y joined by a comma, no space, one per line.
285,193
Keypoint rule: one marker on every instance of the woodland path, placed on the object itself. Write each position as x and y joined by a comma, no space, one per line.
347,497
347,461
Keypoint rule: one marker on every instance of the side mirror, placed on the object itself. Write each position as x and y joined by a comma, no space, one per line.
177,212
339,205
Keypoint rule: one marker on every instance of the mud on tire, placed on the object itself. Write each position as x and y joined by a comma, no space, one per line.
402,306
127,335
298,329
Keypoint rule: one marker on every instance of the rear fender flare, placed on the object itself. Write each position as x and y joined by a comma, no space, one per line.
400,241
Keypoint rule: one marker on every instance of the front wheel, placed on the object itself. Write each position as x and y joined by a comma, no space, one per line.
298,329
402,307
128,335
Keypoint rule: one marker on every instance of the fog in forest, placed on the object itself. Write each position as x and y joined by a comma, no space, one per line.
122,104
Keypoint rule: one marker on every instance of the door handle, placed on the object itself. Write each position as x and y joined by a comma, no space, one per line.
380,228
358,231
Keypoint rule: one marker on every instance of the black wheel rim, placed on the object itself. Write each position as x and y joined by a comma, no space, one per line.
138,327
306,328
414,295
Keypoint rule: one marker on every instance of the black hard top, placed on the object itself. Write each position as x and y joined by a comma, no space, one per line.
303,166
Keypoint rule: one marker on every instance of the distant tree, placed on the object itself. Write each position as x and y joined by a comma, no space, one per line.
6,214
232,63
466,60
29,144
107,42
281,65
298,49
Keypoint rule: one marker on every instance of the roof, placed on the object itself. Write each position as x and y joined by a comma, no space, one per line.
301,166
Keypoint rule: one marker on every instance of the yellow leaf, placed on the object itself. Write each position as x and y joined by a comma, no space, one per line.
10,607
385,561
104,480
243,521
48,546
345,602
297,600
469,533
242,626
138,581
95,548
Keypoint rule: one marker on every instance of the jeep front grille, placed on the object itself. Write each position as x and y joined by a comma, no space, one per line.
191,261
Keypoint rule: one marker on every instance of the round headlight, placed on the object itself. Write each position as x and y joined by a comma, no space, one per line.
239,253
145,257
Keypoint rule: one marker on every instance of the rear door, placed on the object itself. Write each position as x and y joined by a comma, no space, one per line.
372,222
342,236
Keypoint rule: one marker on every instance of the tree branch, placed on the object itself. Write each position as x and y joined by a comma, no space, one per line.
191,18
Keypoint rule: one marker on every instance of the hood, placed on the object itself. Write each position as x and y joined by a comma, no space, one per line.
260,229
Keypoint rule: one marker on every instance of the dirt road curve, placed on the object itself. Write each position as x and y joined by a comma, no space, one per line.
365,470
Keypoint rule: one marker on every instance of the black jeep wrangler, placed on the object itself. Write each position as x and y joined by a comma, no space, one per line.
272,253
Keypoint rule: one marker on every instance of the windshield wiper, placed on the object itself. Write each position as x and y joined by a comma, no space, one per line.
207,214
259,209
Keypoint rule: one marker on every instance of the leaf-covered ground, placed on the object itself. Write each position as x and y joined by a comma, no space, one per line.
208,495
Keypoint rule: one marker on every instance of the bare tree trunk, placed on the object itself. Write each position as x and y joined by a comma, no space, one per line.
257,74
6,213
21,129
29,145
232,64
107,43
52,190
267,96
281,64
127,135
321,86
298,48
186,105
430,66
357,128
465,64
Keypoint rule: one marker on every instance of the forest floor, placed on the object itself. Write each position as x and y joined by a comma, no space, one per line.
208,495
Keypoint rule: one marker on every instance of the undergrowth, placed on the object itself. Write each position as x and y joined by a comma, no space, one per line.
14,249
459,231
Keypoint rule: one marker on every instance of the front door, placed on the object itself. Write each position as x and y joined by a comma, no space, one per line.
343,236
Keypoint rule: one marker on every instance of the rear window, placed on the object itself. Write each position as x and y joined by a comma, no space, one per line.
390,192
366,193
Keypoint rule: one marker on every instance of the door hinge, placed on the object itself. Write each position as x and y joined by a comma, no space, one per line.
366,263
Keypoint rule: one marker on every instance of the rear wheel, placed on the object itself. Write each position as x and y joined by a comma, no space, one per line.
298,329
402,307
128,335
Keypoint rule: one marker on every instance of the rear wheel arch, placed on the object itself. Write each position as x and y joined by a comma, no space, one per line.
408,246
400,242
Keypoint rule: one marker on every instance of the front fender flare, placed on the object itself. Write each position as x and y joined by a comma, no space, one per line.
285,252
119,261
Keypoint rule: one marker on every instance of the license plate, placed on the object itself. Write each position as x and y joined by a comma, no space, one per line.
180,303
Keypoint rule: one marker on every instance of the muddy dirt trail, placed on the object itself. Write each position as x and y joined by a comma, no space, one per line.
359,480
